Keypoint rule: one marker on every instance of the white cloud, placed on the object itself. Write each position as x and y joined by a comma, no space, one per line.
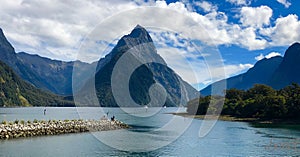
284,32
270,55
256,16
193,70
234,69
239,2
53,24
260,57
55,28
248,38
285,3
206,6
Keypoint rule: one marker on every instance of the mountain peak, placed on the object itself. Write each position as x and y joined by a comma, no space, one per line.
294,48
3,40
1,32
287,72
7,52
137,36
139,32
138,26
141,50
268,60
296,44
292,54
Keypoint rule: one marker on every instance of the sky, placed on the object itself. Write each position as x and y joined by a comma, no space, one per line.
241,32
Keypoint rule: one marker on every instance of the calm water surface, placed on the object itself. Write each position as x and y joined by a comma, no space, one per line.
225,139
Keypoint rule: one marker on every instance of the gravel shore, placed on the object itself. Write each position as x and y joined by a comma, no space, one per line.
17,129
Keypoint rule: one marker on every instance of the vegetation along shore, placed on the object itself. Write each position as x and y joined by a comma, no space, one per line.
261,105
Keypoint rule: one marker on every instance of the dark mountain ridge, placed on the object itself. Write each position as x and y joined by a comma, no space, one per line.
288,71
276,72
16,92
42,72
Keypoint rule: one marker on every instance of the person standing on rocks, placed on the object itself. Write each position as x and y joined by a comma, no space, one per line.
113,118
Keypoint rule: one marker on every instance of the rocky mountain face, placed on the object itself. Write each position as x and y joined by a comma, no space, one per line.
52,75
44,73
16,92
276,72
137,48
288,71
7,52
56,76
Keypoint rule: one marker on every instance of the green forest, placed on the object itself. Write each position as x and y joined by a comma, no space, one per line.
16,92
260,101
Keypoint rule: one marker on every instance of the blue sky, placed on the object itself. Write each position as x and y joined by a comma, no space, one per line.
243,31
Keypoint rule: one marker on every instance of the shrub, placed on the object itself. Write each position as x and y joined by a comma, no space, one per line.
16,121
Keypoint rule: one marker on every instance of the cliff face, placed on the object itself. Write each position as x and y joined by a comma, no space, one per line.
7,52
141,49
56,76
16,92
288,71
44,73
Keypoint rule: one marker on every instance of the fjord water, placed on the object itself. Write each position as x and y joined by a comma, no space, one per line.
225,139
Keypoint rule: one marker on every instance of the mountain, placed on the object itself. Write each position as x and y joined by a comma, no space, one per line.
16,92
7,52
276,72
288,71
44,73
47,74
138,48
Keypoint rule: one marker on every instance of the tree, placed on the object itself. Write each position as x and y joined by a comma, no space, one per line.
260,90
275,107
292,96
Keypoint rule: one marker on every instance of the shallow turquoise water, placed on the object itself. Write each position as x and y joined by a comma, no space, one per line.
146,138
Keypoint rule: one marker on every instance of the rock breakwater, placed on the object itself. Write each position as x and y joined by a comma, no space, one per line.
16,129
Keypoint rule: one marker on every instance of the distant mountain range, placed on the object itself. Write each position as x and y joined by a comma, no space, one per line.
56,76
44,73
276,72
16,92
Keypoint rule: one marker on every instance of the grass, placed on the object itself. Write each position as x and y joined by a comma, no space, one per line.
35,121
4,122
